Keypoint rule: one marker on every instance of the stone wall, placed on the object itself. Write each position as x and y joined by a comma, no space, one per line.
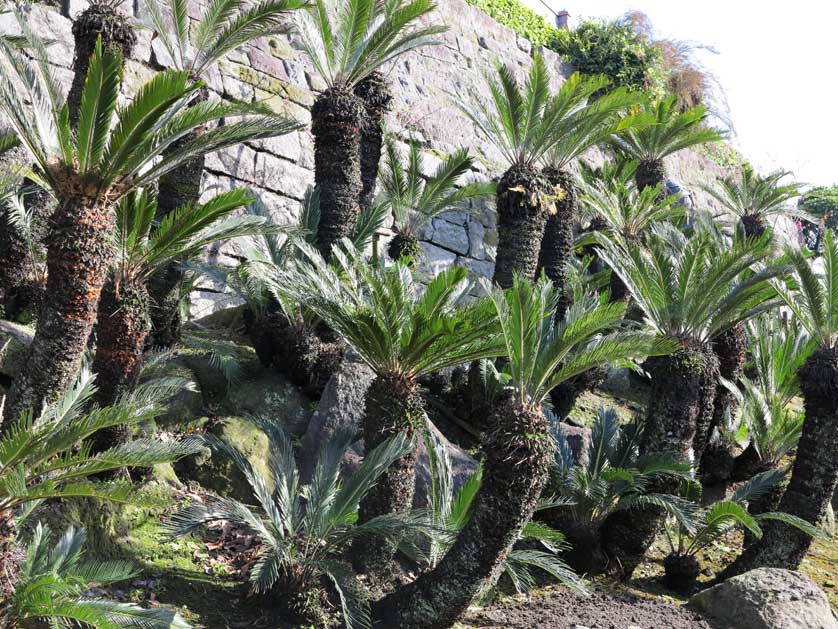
424,82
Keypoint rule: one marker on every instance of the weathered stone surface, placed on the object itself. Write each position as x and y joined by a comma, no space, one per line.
270,396
463,465
767,598
579,440
451,236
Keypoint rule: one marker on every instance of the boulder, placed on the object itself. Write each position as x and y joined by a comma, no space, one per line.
767,598
579,440
270,396
14,341
341,407
463,465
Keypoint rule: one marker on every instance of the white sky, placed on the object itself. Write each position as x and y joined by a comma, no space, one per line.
777,61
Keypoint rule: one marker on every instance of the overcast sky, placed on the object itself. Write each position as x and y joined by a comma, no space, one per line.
777,61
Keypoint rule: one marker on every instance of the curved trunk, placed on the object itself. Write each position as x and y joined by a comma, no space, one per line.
78,256
752,226
178,188
392,407
680,399
814,475
650,173
557,244
374,92
121,330
98,19
337,119
518,454
521,221
731,348
11,557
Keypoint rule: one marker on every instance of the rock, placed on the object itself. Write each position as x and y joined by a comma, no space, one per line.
579,440
767,598
217,472
272,397
463,465
341,407
14,341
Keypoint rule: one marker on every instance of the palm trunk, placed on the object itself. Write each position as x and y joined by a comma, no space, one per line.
650,173
98,19
814,475
78,255
522,218
11,557
731,348
176,189
403,247
557,243
518,454
374,92
752,226
764,504
680,399
337,119
121,330
392,407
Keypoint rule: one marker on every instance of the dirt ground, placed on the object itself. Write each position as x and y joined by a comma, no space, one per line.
561,609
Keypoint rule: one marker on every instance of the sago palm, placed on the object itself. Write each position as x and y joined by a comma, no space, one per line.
585,117
304,530
517,443
812,297
195,48
416,197
689,290
347,41
115,150
142,249
669,130
403,333
518,119
753,199
40,458
54,584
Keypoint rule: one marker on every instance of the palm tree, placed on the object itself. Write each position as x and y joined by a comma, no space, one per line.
195,48
753,199
142,248
416,197
402,334
102,19
616,206
518,120
670,130
585,117
54,582
689,290
114,151
346,42
304,529
813,299
40,458
517,444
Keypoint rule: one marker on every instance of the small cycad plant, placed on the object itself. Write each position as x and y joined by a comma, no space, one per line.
305,530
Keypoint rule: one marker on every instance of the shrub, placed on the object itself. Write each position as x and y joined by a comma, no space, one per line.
524,21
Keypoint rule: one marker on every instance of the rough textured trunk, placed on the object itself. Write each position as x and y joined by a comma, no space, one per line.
521,221
337,119
11,556
649,174
731,349
99,19
78,255
121,330
764,504
392,407
374,92
14,264
814,475
752,226
176,189
557,244
683,387
403,247
518,452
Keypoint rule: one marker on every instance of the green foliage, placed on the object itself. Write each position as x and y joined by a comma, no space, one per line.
304,529
722,154
524,21
752,195
822,202
615,50
55,580
616,477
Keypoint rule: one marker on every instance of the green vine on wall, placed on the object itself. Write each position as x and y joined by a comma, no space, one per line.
523,20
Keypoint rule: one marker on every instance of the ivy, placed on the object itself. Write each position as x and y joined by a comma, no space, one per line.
523,20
